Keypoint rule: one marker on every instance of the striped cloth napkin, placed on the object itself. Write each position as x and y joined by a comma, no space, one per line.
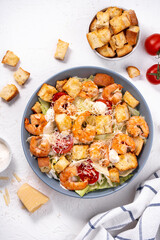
145,209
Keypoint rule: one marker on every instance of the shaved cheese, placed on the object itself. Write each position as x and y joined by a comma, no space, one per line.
4,178
7,195
5,199
98,168
125,173
16,177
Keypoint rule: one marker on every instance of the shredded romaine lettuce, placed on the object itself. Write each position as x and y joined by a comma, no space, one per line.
133,111
106,136
104,185
44,105
83,104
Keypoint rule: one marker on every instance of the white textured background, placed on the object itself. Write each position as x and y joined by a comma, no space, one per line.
31,28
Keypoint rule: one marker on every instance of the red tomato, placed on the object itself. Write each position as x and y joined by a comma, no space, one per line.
86,171
57,96
153,74
107,102
152,44
63,143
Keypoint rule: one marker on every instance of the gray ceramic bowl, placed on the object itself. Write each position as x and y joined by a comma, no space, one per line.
86,72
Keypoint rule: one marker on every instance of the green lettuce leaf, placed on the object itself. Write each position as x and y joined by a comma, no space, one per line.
133,111
104,185
44,105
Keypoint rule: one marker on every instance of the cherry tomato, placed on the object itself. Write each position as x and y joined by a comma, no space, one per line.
63,143
153,74
107,102
152,44
86,171
57,96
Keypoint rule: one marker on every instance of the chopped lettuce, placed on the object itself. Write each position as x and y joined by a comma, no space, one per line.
133,111
91,78
44,105
104,185
106,136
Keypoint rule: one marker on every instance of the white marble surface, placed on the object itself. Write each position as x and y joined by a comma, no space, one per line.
31,29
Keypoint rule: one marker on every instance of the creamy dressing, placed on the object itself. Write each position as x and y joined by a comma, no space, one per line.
4,156
113,156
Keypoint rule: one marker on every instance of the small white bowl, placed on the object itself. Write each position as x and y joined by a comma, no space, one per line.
116,58
10,155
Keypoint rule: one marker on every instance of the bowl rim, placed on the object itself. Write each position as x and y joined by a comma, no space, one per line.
102,193
115,58
2,140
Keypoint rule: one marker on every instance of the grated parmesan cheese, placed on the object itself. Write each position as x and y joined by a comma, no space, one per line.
16,177
4,178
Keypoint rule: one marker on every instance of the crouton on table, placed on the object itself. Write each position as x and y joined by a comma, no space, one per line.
9,92
21,76
61,49
10,59
133,71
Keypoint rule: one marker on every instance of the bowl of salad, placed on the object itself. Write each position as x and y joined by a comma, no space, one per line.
87,132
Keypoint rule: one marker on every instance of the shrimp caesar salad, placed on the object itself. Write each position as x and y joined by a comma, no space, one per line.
86,133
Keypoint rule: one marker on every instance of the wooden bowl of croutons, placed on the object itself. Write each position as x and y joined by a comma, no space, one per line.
114,33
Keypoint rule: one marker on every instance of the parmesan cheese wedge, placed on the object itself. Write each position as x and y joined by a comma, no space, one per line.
31,198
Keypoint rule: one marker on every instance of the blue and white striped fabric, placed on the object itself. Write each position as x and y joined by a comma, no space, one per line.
145,209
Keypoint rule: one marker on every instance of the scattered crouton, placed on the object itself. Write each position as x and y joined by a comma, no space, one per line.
103,80
10,59
133,71
44,164
117,41
126,161
106,51
21,76
139,145
121,112
61,164
9,92
124,51
80,152
114,175
63,122
103,124
132,34
46,92
130,100
61,49
73,87
119,23
102,19
114,12
60,84
131,15
37,108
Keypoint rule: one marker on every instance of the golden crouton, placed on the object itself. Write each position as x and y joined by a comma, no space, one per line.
117,41
46,92
102,19
126,161
103,80
93,25
106,51
44,164
104,34
131,15
123,51
61,164
122,113
130,100
132,34
60,84
119,23
10,59
9,92
94,39
63,122
139,144
114,12
21,76
79,152
103,124
73,87
37,108
133,71
114,175
61,49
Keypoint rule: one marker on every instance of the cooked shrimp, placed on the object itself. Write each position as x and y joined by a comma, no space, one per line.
64,105
110,93
67,176
122,142
39,147
86,134
137,126
99,152
38,122
89,90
